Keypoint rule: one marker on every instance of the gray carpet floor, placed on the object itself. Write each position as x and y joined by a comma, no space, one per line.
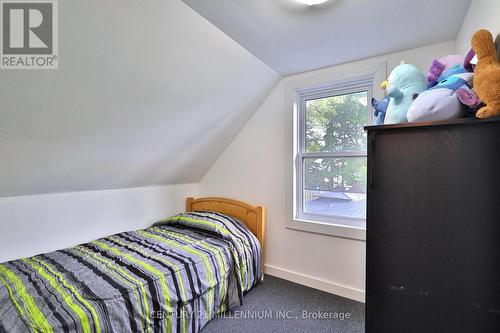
281,306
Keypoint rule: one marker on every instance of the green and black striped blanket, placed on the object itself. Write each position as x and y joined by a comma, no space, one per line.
172,277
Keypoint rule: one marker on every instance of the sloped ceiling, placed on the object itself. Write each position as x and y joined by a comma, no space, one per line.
147,92
291,37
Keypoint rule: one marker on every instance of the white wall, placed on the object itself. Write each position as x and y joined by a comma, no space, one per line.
147,93
41,223
252,169
482,14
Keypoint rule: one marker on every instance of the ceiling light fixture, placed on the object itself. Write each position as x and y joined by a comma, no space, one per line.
312,2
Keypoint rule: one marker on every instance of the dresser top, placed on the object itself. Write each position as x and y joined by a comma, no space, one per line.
444,123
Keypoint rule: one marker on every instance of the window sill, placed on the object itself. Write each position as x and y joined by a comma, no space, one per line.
328,228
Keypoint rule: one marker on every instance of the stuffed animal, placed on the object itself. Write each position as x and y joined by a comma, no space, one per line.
448,99
457,69
468,65
439,66
487,74
403,85
380,109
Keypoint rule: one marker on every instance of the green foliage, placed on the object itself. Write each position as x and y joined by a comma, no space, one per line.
335,124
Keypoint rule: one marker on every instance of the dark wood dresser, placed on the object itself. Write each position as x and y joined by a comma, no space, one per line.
433,227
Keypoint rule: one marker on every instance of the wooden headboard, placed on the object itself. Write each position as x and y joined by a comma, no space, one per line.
252,216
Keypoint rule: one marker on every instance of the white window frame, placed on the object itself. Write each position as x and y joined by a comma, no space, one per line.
361,76
335,89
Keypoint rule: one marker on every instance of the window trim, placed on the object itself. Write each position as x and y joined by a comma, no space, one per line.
345,227
363,85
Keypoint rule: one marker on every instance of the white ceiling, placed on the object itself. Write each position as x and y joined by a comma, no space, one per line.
147,92
292,38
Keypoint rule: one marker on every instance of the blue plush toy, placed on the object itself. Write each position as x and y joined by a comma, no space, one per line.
380,109
403,85
458,69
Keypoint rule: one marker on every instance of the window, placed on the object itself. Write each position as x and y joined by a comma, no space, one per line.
330,159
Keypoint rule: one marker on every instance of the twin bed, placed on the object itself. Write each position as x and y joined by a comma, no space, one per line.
172,277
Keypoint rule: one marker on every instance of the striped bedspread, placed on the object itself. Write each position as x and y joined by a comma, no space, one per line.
172,277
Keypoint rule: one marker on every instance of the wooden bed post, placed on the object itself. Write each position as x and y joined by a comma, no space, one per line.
261,234
189,202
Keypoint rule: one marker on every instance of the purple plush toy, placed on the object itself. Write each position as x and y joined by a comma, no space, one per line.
439,66
468,58
451,98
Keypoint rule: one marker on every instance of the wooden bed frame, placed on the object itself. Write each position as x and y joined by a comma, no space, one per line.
253,216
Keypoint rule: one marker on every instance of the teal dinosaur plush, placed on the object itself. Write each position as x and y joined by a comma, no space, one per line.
403,86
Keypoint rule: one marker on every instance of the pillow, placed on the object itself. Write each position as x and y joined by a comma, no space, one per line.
244,245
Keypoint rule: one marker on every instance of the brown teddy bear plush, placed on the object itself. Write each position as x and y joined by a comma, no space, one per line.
487,75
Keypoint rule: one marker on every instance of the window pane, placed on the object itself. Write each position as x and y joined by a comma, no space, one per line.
335,186
335,124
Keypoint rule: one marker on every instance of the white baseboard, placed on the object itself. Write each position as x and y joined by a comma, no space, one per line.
320,284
